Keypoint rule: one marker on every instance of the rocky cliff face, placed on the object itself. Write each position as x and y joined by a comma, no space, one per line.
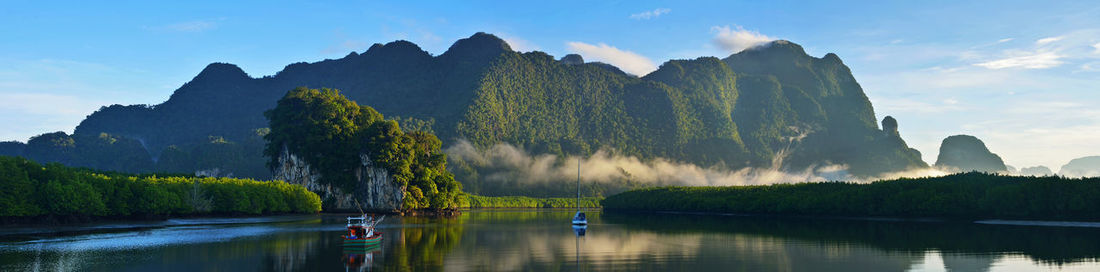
376,191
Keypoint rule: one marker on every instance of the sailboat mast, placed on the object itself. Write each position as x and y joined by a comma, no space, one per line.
578,183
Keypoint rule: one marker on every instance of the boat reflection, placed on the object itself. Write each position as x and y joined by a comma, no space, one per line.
360,258
579,230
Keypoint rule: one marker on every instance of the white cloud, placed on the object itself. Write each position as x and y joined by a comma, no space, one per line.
1049,40
1073,48
518,44
734,40
1005,40
630,62
650,14
1037,60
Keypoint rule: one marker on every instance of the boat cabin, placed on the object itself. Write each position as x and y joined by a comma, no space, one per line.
358,227
580,219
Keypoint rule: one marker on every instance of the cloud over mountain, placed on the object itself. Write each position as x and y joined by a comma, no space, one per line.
737,38
628,61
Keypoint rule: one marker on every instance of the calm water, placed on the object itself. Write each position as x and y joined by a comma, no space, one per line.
544,240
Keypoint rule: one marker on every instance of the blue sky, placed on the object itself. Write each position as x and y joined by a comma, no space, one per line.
1024,76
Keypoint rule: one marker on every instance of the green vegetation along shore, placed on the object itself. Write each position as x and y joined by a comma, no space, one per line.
29,189
965,195
489,202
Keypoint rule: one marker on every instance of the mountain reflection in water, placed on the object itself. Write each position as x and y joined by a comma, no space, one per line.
503,240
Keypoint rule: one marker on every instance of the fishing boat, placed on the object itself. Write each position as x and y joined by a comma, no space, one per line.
361,231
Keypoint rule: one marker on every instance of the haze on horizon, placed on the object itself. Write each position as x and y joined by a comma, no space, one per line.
1019,75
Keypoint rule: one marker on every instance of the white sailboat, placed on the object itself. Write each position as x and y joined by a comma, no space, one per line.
579,219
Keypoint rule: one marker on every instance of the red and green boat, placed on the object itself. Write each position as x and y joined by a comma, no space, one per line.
361,231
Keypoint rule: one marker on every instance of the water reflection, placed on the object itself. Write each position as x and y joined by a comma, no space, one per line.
545,241
1047,245
360,258
579,230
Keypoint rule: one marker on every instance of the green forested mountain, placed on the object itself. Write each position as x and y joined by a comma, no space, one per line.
773,105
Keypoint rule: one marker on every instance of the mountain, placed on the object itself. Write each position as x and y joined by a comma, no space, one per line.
967,153
817,98
1082,167
1039,171
12,148
768,106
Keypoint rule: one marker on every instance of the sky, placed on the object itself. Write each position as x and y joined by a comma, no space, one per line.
1023,76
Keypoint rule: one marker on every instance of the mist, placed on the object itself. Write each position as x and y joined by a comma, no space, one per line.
508,163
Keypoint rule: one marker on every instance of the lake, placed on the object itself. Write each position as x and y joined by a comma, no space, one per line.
543,240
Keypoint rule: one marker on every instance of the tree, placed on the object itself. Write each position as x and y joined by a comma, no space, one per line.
322,127
331,132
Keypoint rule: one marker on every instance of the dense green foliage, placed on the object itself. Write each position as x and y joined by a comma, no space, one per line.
770,106
330,133
965,195
477,202
324,128
30,189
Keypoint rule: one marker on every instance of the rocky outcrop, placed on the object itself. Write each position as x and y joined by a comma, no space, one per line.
965,153
890,126
572,59
376,190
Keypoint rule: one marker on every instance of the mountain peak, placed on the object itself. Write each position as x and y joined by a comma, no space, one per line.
480,45
401,48
572,59
221,70
777,46
398,45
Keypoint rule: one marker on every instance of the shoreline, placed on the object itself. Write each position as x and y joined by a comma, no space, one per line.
980,221
957,197
129,224
54,220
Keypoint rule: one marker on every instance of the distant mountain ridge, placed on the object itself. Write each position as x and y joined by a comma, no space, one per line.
1082,167
769,106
